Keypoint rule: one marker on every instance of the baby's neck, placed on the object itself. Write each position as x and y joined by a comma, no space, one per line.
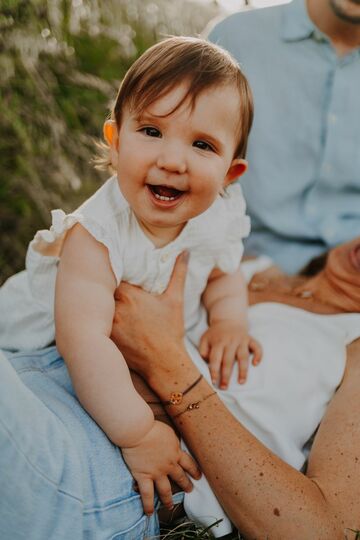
160,236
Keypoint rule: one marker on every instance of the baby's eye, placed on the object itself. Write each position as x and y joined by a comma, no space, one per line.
151,131
203,145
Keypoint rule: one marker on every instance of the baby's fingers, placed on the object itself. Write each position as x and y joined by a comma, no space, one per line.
256,349
215,360
242,356
163,489
181,478
146,489
227,366
189,465
204,347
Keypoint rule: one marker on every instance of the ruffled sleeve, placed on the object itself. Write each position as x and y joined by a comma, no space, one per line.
45,249
27,299
233,226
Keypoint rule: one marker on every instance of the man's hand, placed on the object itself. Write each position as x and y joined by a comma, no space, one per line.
155,459
146,325
225,342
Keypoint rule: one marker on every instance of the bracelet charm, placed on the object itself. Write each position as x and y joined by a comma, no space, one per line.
177,397
195,405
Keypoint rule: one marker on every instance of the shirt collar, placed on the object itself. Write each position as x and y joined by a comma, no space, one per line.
296,23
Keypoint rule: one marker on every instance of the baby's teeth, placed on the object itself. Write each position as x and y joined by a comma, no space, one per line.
163,198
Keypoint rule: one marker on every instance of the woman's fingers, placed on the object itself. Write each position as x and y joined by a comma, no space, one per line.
177,281
163,488
146,489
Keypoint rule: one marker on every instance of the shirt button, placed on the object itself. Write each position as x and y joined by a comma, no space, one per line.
164,257
332,118
327,168
318,36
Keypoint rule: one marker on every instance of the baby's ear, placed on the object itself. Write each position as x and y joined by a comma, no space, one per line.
237,168
111,136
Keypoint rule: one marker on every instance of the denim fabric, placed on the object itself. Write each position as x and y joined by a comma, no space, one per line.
302,188
61,478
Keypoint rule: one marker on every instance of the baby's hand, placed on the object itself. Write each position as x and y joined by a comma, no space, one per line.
156,458
224,343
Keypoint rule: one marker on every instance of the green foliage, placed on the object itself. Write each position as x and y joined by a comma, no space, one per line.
186,530
61,62
183,529
355,536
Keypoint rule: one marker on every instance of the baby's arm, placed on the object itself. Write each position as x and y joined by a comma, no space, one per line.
84,310
227,338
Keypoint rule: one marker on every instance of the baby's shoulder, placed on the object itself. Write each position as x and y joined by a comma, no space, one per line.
107,205
228,213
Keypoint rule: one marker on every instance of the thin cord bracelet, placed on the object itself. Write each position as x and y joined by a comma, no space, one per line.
176,397
194,406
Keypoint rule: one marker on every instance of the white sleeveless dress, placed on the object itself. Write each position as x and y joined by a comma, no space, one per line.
214,239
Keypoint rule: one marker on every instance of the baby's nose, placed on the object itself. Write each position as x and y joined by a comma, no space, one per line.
172,159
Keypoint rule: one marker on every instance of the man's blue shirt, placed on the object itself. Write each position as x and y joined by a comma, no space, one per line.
303,184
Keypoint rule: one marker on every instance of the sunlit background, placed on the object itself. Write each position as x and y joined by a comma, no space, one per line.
233,5
61,62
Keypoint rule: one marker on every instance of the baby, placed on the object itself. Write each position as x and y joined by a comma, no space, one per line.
176,141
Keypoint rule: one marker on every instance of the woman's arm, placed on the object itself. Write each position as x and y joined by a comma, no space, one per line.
84,309
263,496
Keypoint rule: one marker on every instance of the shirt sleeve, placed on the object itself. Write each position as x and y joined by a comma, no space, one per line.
236,226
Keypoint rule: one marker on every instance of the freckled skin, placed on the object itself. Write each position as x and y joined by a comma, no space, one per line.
232,458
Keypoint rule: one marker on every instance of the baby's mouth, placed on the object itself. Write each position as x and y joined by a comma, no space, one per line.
165,193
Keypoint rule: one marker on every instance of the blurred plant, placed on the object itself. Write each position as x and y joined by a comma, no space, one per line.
187,530
61,62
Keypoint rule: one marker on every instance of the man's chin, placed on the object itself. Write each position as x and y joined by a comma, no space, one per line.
345,14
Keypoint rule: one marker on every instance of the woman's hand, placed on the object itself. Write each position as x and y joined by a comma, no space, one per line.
148,328
155,459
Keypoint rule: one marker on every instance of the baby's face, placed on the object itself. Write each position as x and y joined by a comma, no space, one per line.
172,166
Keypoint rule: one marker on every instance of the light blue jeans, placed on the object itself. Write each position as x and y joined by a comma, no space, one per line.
60,476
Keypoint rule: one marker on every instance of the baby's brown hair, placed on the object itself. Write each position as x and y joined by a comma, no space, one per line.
174,60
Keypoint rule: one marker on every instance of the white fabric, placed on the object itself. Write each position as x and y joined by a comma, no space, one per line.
214,239
253,266
285,397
